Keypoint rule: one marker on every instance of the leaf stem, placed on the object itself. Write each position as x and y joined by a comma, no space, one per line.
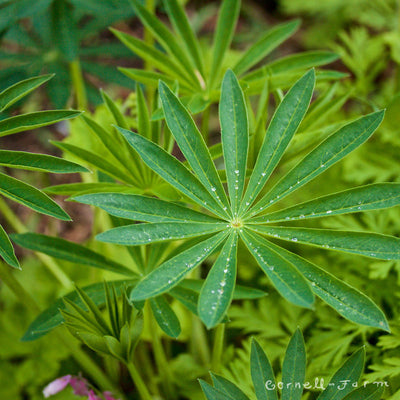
218,348
138,381
160,357
78,84
51,264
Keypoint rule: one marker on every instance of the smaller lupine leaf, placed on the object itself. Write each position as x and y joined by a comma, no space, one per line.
69,251
171,170
38,162
7,250
189,298
268,42
165,38
182,26
24,122
13,93
165,316
192,145
345,299
350,371
212,393
30,197
138,234
172,271
364,198
96,161
51,317
285,277
235,137
329,152
262,373
367,392
294,368
227,387
143,208
94,311
217,292
372,245
227,19
281,129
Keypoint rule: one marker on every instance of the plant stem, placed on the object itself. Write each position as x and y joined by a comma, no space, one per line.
78,84
159,355
87,364
138,381
51,264
218,348
198,342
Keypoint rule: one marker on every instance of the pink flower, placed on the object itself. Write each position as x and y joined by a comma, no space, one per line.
92,396
78,384
108,396
57,386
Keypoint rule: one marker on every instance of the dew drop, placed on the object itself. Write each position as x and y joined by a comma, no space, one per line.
294,239
329,212
213,189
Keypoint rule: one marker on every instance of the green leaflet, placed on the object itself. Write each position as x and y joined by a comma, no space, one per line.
217,292
283,126
34,120
372,245
31,197
227,19
97,161
345,299
137,234
172,171
182,26
143,208
166,39
192,144
38,162
51,317
330,151
78,189
301,61
262,373
235,137
114,110
165,316
144,123
283,274
13,93
294,368
269,41
350,371
7,250
155,57
187,297
212,393
69,251
364,198
227,387
172,271
368,392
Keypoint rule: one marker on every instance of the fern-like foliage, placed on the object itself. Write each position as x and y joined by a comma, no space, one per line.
343,384
241,212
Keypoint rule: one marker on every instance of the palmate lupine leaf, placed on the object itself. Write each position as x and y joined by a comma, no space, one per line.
181,57
343,385
295,278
